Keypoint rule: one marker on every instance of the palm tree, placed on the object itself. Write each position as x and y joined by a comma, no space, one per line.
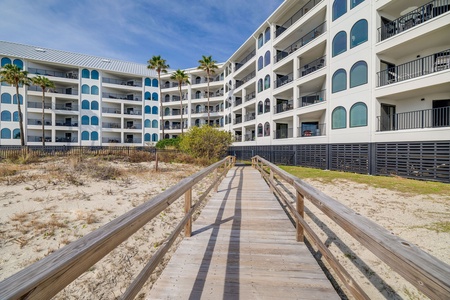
208,65
159,65
181,77
12,74
44,83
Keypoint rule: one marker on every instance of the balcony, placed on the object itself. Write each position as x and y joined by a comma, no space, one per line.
39,122
129,125
66,106
238,101
297,16
111,125
312,98
312,66
245,60
172,99
246,78
311,129
133,112
110,139
39,105
70,75
283,106
65,91
283,79
427,118
33,138
249,117
413,18
200,80
285,133
237,120
250,96
110,110
130,97
426,65
310,36
249,137
66,139
131,82
66,123
133,140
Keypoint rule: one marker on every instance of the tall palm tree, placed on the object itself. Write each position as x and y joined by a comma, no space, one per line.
159,65
208,65
14,75
181,77
44,83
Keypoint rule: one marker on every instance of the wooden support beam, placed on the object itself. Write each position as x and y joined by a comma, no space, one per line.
187,207
301,212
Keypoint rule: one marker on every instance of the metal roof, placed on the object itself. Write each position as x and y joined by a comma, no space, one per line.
73,59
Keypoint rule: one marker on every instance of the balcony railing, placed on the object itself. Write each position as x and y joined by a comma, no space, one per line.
71,74
201,80
66,123
250,96
237,120
427,118
110,110
245,60
132,126
130,97
312,130
133,140
67,106
300,13
284,133
238,101
284,106
416,68
65,91
39,122
246,78
111,139
131,82
173,113
33,138
66,139
110,125
249,117
133,112
312,66
249,137
238,138
313,34
312,98
205,110
282,80
39,105
415,17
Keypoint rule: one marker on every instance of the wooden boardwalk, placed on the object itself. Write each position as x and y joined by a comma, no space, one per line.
242,247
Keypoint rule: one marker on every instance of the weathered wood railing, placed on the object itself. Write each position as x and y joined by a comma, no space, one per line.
47,277
427,273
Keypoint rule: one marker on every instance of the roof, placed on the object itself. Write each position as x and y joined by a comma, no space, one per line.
73,59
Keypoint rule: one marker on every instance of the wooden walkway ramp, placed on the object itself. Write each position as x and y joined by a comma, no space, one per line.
243,246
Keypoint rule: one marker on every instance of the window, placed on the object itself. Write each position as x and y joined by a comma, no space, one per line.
267,35
85,89
5,61
260,130
358,33
339,81
267,129
16,116
85,136
94,136
147,137
155,82
358,115
147,82
358,74
85,73
5,116
354,3
18,63
147,96
167,111
155,110
147,123
94,90
260,63
267,82
338,118
260,107
154,124
94,105
6,98
154,137
15,99
16,134
260,41
267,58
94,120
84,104
147,109
155,96
84,120
339,43
94,74
339,8
6,133
267,105
166,98
260,85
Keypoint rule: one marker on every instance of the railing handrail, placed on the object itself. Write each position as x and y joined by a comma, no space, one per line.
44,279
427,273
295,18
135,82
245,59
424,118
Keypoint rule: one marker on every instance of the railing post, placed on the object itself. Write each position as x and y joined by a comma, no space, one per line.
187,207
215,178
271,180
301,211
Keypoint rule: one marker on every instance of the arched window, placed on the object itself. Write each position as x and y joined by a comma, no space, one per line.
84,120
339,8
339,43
155,96
94,105
198,94
267,129
358,115
85,89
260,130
339,81
260,107
358,74
260,85
6,98
15,99
155,82
167,111
94,136
154,137
5,61
354,3
94,120
147,137
267,82
94,90
260,41
85,73
85,136
18,63
94,74
147,96
266,105
16,116
147,82
16,134
267,58
226,119
6,133
155,110
260,63
5,116
339,118
154,124
267,35
147,123
147,109
84,104
166,98
358,33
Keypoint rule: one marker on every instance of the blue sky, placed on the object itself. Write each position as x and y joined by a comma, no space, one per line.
180,31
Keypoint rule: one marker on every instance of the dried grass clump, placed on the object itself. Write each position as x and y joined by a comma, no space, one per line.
141,156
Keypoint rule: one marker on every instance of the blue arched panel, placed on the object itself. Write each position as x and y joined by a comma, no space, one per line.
84,104
94,105
6,98
94,74
147,137
85,73
155,82
6,133
85,136
94,120
94,136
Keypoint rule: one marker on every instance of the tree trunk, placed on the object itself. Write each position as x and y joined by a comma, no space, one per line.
19,110
161,105
43,120
181,107
207,78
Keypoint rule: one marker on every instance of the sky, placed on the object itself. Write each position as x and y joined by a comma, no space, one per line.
181,31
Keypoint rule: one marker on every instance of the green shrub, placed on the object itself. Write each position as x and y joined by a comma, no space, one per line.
168,143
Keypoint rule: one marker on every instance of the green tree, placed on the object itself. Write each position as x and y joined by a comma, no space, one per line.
14,75
208,65
159,65
181,77
43,83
